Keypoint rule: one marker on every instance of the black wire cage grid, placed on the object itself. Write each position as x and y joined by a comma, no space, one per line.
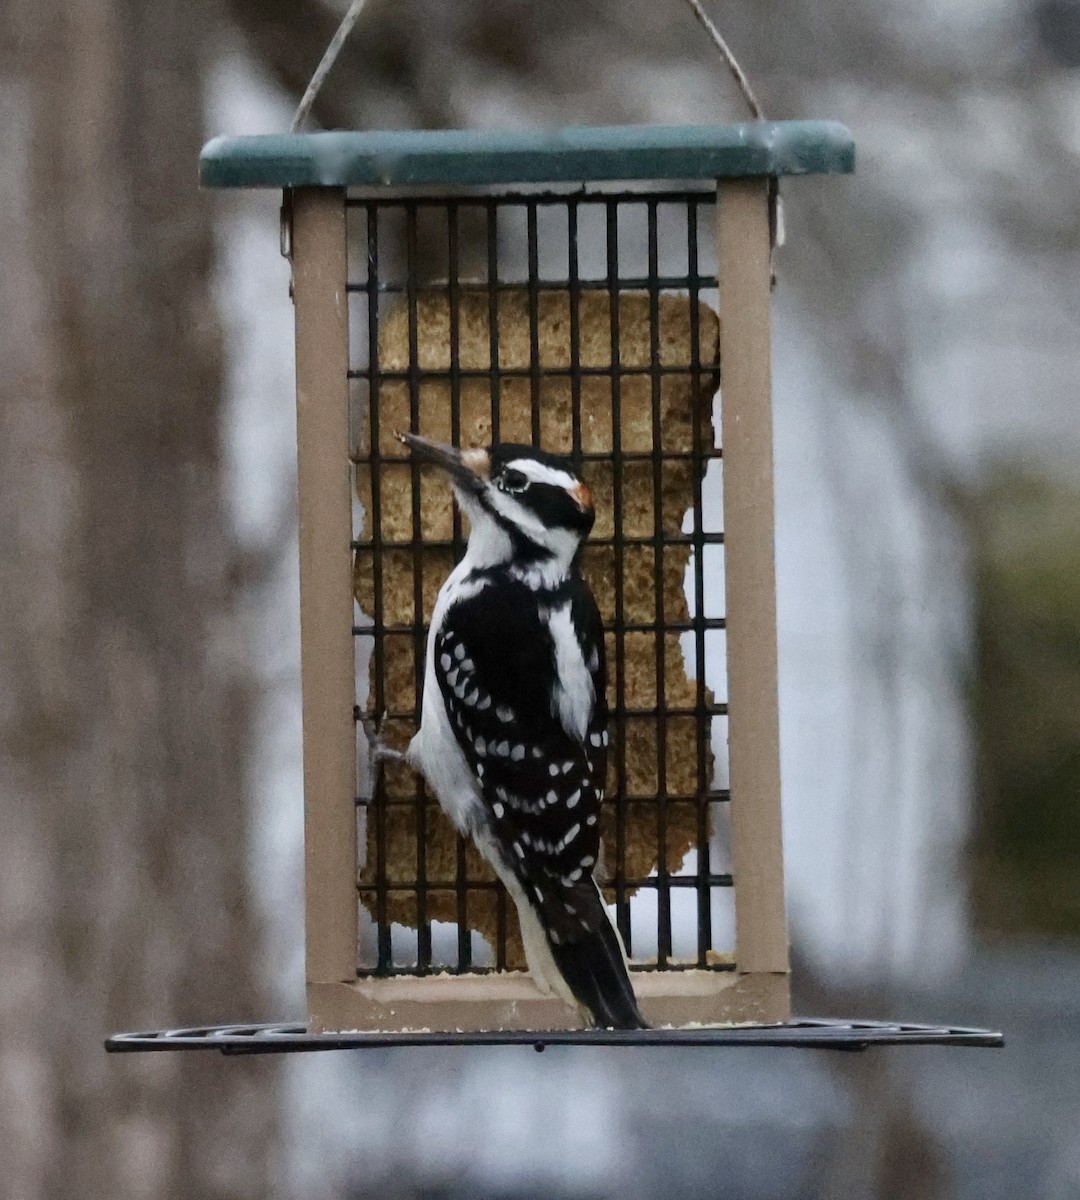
573,321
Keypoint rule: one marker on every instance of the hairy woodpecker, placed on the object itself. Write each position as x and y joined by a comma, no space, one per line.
513,731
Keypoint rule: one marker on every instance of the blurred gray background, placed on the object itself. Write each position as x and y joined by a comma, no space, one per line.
928,552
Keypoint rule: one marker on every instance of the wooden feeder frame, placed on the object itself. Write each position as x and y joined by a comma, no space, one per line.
315,172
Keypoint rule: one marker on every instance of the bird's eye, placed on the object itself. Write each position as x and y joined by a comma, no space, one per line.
513,481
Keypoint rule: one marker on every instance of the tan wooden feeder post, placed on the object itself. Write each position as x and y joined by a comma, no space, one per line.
761,943
319,258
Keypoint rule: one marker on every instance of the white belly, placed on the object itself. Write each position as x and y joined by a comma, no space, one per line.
435,753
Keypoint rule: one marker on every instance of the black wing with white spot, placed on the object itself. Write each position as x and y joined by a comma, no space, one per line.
496,662
523,676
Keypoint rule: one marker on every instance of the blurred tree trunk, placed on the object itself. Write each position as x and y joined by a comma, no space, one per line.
124,718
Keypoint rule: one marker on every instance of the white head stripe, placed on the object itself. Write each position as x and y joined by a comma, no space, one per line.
541,473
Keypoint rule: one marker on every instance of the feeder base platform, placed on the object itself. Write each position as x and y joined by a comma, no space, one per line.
813,1033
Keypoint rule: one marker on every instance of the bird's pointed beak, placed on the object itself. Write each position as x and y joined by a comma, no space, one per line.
466,468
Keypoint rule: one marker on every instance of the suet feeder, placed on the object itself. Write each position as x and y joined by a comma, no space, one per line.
588,291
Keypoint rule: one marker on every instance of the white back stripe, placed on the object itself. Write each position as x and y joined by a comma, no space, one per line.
574,697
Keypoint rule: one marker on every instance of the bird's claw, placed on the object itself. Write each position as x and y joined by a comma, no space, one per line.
380,752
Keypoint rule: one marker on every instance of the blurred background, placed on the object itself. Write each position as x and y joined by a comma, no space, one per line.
928,549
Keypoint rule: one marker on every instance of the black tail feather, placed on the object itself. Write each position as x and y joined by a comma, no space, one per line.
595,971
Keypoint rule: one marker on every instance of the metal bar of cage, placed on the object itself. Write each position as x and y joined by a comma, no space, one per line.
718,796
638,971
663,900
715,623
532,276
622,907
651,711
699,540
707,539
638,282
573,294
719,879
453,301
493,284
576,196
529,373
384,948
423,929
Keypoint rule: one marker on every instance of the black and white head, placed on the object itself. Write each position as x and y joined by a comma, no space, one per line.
523,504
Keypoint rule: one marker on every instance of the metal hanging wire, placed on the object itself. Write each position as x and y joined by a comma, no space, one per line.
326,64
776,207
332,51
729,58
330,56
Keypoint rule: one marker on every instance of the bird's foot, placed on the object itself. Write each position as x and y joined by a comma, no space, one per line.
380,752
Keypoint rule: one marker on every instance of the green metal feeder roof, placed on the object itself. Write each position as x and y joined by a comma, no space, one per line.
411,158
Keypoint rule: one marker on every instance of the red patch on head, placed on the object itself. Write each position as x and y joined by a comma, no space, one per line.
582,495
